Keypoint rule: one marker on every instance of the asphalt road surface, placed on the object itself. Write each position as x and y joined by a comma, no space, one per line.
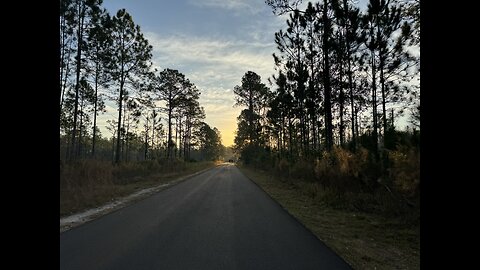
218,219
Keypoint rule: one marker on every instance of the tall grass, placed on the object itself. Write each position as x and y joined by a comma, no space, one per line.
355,180
89,183
85,184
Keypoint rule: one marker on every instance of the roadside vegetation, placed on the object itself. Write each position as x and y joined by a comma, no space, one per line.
87,184
370,229
335,134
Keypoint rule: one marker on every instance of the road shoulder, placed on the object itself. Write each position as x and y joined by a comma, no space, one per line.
77,219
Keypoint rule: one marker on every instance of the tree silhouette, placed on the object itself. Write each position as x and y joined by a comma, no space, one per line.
82,12
98,46
210,143
251,94
129,56
180,96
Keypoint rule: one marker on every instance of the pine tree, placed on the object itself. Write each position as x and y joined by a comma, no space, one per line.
176,90
98,45
82,12
251,94
130,56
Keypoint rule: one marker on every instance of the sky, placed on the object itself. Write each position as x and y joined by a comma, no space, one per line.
213,42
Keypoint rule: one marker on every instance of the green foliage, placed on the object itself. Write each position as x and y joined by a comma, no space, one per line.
255,155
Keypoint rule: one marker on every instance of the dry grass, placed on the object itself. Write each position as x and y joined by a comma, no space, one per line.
364,240
405,171
87,184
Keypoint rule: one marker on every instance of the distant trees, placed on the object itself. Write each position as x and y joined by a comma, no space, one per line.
181,99
252,93
210,143
106,58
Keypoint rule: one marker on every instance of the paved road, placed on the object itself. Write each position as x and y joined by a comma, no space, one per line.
216,220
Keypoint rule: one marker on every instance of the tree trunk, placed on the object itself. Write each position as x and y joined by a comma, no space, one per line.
127,149
77,80
326,82
80,131
282,152
290,146
374,106
382,83
176,136
95,113
65,68
357,131
392,121
122,149
64,84
250,118
170,143
350,85
154,123
62,57
113,148
120,103
146,140
341,101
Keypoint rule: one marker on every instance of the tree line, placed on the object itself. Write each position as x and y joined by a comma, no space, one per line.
107,57
342,78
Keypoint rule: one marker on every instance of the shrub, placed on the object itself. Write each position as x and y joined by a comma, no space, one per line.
302,170
343,170
85,174
405,170
282,167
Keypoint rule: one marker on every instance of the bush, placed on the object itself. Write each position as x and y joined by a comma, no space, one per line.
405,170
302,170
344,171
282,167
353,180
85,174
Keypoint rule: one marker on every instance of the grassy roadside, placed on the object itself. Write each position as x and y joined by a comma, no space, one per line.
365,241
90,184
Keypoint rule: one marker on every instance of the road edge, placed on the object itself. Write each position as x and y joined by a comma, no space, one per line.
296,219
78,219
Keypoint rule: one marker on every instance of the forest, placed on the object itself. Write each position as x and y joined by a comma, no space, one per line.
328,118
160,123
104,57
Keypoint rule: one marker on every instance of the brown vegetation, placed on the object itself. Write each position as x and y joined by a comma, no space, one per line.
89,183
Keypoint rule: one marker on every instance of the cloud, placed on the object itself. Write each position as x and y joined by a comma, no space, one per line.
215,65
238,6
212,62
